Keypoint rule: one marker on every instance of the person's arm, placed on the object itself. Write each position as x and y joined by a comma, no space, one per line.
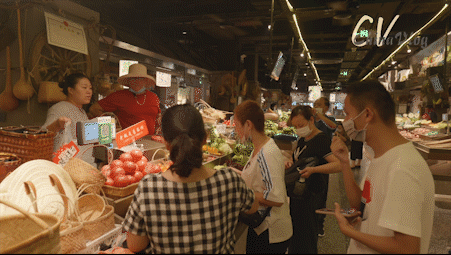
399,243
137,243
353,191
332,167
262,201
58,124
331,124
95,110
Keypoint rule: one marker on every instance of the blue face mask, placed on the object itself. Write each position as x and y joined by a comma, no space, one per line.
137,92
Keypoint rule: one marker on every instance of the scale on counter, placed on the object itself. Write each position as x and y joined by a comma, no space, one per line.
98,130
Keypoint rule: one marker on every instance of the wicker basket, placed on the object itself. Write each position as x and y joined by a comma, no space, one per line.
71,229
28,143
96,228
119,192
90,206
29,233
8,163
84,173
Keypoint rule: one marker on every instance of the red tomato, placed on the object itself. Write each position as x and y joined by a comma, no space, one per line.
106,170
130,167
144,158
116,172
152,168
126,157
109,181
136,154
141,165
116,163
138,176
121,181
130,179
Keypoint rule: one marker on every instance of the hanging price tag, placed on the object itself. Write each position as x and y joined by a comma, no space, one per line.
66,152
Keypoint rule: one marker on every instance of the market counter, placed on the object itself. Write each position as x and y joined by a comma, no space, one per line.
433,153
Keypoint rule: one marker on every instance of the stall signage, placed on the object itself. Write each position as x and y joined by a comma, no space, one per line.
65,152
65,34
131,134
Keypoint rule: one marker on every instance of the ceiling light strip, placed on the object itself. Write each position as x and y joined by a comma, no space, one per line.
304,45
407,41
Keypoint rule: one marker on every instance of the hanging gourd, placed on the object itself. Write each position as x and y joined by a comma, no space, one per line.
22,90
7,100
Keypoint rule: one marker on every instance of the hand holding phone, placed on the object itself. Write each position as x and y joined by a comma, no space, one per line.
347,212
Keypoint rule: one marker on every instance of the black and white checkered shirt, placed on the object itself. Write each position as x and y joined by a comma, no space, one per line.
196,217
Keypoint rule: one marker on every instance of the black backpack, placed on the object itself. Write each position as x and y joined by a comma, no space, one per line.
295,188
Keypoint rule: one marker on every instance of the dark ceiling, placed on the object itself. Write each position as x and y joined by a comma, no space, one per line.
218,32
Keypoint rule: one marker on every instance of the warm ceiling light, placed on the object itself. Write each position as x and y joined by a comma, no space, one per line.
408,49
269,27
393,62
184,32
305,74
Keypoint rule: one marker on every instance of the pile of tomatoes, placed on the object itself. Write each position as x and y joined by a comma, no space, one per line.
128,169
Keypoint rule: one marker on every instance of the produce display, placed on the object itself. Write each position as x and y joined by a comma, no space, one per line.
217,144
128,169
272,128
242,152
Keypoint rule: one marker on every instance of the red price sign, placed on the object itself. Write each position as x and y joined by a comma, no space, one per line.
65,153
131,134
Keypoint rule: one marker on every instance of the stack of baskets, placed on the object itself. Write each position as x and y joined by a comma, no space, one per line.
28,143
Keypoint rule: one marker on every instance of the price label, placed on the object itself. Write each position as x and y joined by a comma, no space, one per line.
445,117
131,134
65,152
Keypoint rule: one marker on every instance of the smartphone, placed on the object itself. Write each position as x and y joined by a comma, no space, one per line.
347,212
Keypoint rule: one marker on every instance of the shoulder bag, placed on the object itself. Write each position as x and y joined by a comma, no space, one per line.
255,219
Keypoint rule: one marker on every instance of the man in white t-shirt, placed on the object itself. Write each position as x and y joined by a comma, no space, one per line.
396,195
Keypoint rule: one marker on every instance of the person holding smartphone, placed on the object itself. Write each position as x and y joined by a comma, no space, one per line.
396,195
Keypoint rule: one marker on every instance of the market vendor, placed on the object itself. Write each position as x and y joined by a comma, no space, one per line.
135,104
78,89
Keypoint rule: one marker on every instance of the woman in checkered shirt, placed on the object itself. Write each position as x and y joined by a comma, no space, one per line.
188,208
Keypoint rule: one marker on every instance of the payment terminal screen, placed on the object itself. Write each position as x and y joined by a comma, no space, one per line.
91,131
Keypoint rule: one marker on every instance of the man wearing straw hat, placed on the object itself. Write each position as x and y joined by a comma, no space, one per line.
135,104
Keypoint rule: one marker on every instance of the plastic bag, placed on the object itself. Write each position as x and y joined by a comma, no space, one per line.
69,148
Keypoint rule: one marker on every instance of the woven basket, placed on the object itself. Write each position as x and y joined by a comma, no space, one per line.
119,192
29,233
82,172
90,206
8,163
28,143
96,228
71,229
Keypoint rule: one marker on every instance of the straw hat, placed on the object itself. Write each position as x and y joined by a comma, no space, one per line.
137,71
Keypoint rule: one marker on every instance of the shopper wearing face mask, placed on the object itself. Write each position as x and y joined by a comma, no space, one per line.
135,104
324,122
264,173
312,143
396,195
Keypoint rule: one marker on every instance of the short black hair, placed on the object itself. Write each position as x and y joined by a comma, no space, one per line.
372,93
70,81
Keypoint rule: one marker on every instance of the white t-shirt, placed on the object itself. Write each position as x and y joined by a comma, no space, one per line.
69,110
265,173
398,189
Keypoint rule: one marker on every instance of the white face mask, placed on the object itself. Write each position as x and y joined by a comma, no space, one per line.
356,135
304,131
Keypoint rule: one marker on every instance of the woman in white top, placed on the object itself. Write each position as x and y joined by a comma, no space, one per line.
264,173
78,90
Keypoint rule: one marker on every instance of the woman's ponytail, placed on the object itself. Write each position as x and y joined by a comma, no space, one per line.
184,129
